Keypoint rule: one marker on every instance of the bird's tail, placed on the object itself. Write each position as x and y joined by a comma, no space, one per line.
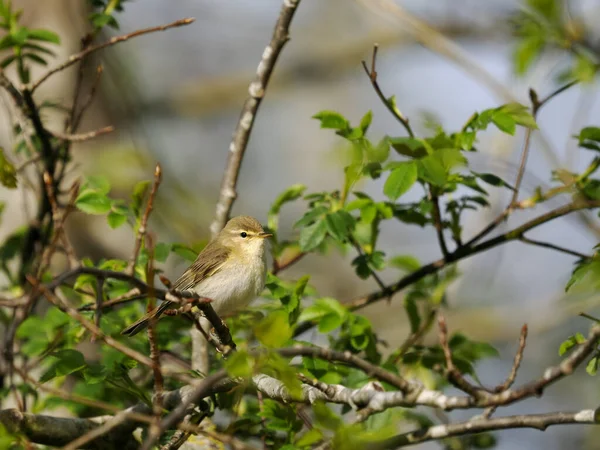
144,321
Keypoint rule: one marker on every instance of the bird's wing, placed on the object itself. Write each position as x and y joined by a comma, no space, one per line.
209,261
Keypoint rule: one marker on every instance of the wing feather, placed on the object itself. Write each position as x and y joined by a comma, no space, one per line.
209,262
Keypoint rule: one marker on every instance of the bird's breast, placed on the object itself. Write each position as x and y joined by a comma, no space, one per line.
234,286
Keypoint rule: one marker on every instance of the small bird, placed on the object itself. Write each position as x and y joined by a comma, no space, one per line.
230,271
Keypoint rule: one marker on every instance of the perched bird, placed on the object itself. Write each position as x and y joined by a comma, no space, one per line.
230,271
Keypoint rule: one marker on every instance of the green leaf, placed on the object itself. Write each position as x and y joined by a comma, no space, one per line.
44,35
96,183
309,438
407,263
408,146
93,202
432,170
519,113
8,173
548,9
238,364
340,225
290,194
504,122
571,342
400,180
492,179
312,235
274,330
311,216
380,152
366,121
330,313
592,366
589,137
184,252
526,52
325,417
586,275
332,119
162,251
35,58
115,220
68,361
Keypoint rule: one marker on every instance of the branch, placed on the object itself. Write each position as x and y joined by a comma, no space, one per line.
83,136
143,228
554,247
112,41
537,421
59,431
256,92
332,355
372,74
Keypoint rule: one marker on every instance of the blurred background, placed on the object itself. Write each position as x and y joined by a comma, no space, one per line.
175,97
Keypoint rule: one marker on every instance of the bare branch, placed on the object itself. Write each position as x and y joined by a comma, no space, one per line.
554,247
141,233
536,421
256,92
372,74
347,357
83,136
112,41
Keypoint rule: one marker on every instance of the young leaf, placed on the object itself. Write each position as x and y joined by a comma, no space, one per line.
366,121
400,180
290,194
332,119
8,173
44,35
274,330
115,220
504,122
339,225
312,235
93,202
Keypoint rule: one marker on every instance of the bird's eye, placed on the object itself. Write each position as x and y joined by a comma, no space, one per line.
243,234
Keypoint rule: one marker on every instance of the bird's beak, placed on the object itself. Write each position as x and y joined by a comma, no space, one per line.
264,235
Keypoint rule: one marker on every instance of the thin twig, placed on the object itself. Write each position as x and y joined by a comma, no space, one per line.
129,296
88,101
453,375
516,363
513,371
99,300
83,136
332,355
112,41
279,266
415,337
256,92
437,222
143,228
153,341
554,247
372,74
